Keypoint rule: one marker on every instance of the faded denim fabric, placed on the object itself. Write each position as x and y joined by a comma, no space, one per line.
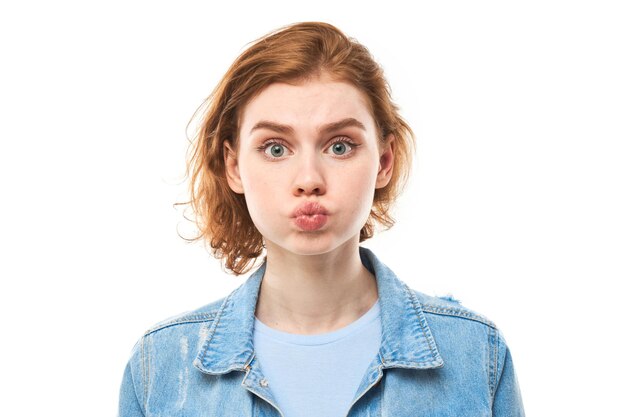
436,358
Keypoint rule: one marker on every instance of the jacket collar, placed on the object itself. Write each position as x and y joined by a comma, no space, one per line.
406,338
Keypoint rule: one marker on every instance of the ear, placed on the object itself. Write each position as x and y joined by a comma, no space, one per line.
385,167
232,168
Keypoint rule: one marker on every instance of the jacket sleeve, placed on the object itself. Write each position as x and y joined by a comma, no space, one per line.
131,390
507,398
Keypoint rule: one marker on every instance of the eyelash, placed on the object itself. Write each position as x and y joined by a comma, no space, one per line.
339,139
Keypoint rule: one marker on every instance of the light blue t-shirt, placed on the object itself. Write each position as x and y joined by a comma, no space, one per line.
334,364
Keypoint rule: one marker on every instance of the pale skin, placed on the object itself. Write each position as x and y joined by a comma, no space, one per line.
314,281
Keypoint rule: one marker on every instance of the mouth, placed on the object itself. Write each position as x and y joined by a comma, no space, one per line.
310,216
311,222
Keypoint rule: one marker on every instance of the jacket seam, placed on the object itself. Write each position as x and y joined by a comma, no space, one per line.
184,320
446,311
383,385
416,307
144,379
496,351
218,315
493,361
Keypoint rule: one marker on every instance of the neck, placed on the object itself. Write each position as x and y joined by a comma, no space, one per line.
309,294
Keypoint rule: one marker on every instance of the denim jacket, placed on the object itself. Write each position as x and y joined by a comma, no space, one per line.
436,358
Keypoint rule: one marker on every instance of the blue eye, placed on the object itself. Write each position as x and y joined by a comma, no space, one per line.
276,150
339,148
342,147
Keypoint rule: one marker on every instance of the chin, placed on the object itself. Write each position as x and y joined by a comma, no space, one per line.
312,243
310,246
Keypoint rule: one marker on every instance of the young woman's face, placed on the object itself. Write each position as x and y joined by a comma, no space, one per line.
308,162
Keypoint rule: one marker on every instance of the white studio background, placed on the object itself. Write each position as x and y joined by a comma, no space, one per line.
516,205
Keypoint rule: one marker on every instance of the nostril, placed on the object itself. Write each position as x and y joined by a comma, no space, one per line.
314,188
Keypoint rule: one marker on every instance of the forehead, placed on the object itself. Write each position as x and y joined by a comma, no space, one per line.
307,104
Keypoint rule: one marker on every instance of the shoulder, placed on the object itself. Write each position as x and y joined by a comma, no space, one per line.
203,314
167,339
454,326
461,333
164,345
447,307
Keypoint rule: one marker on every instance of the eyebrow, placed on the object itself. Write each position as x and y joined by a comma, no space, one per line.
325,129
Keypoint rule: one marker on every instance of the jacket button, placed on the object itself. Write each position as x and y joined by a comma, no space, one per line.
263,382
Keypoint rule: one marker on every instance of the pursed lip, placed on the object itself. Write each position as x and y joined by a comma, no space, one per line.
309,208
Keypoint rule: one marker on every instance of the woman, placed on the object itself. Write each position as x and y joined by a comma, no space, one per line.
301,152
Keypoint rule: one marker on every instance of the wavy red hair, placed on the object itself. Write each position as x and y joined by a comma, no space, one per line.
291,53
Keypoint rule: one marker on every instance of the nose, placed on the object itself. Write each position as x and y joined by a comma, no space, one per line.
309,178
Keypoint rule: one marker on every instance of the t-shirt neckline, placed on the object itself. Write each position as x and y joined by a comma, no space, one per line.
321,338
